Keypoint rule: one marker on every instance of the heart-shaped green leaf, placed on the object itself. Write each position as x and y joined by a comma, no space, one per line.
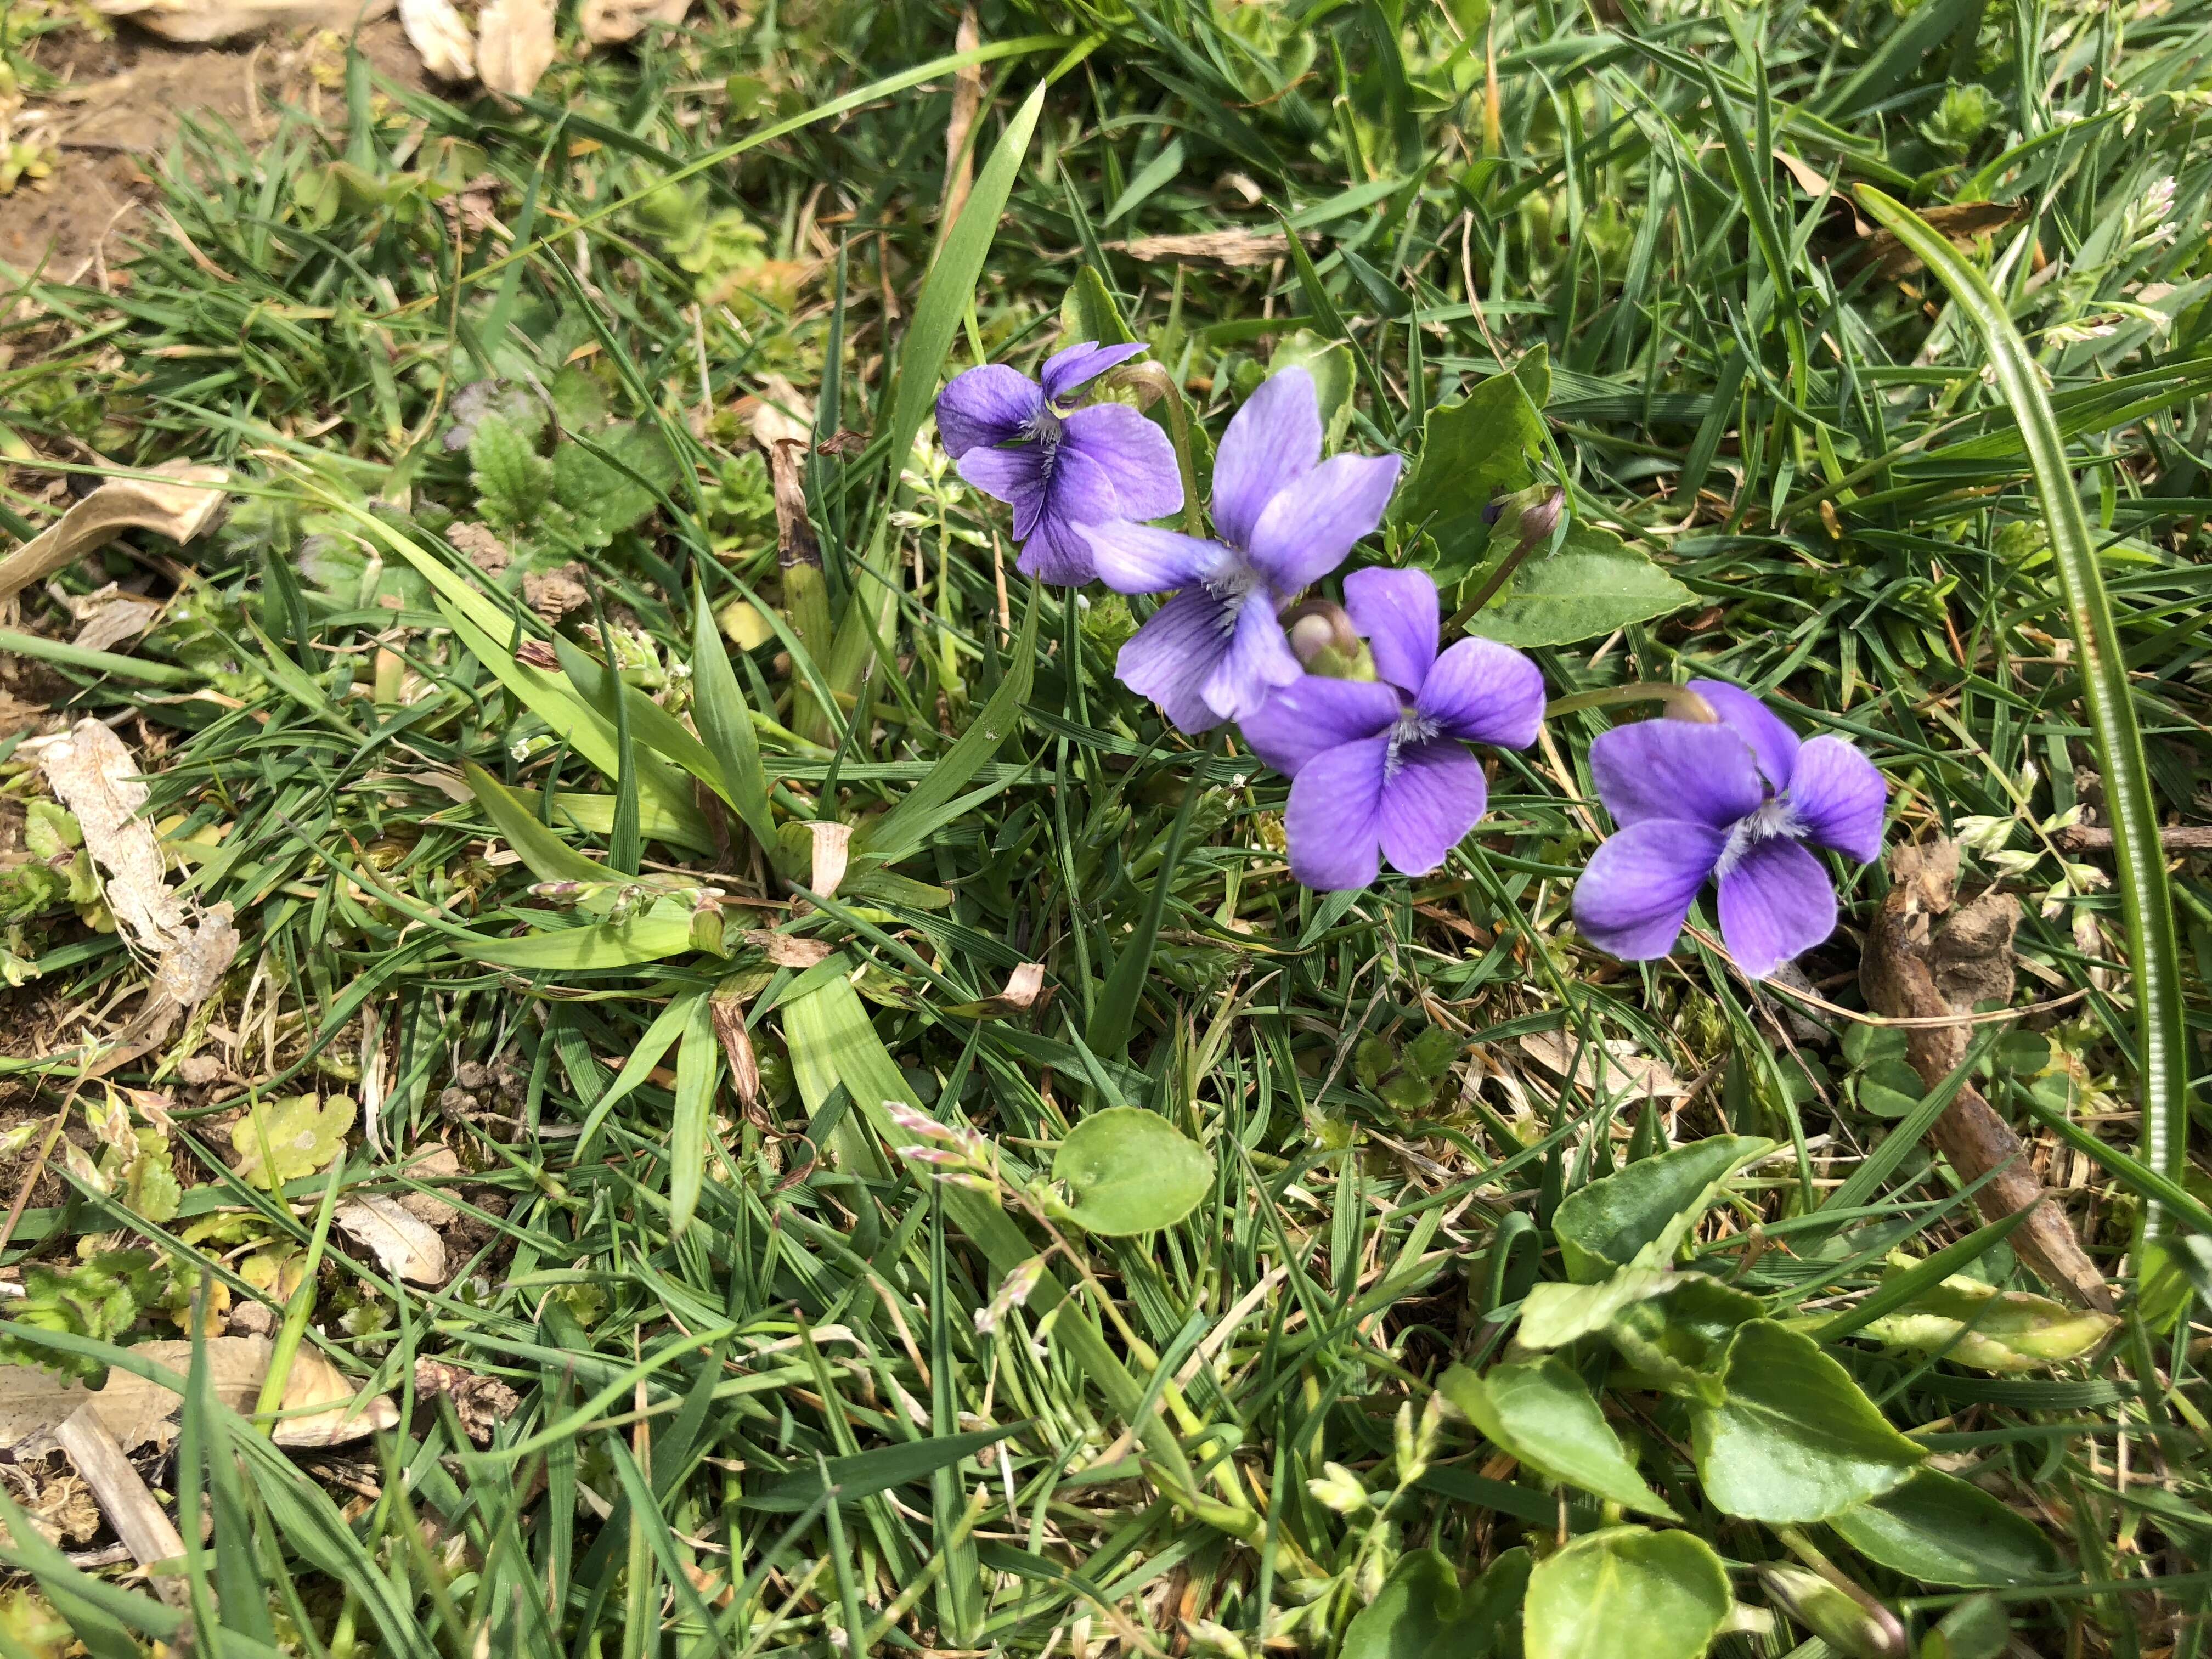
1601,1226
296,1135
1128,1171
1626,1593
1793,1438
1543,1415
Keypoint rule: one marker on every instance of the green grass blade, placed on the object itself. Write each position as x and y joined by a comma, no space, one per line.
725,722
2153,949
698,1069
925,809
950,285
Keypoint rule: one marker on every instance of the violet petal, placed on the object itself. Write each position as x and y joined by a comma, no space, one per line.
986,406
1776,904
1485,692
1259,659
1314,713
1073,366
1168,659
1015,476
1398,611
1316,517
1429,805
1332,820
1773,742
1137,456
1273,439
1675,769
1635,893
1059,553
1839,797
1137,558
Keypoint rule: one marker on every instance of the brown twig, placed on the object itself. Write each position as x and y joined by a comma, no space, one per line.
1927,961
2175,838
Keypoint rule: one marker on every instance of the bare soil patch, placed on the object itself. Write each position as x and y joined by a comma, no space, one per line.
122,103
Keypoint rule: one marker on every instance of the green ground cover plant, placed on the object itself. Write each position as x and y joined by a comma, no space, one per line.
1186,828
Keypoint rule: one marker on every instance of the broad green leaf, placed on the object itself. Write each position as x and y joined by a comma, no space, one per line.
1976,1629
1970,1323
863,1474
1329,362
1554,1314
1626,1593
691,1132
1087,312
1421,1613
1794,1437
549,857
926,808
1601,1226
296,1135
603,490
725,722
595,815
1943,1530
1542,1414
643,938
1679,1343
1129,1170
1594,584
1470,451
950,287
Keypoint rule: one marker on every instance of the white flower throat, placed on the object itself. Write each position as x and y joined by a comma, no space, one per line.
1772,817
1411,729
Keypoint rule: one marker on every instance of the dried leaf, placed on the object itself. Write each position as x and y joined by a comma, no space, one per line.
1233,250
431,1164
34,1402
1024,986
786,950
514,45
180,511
833,844
1962,222
611,23
405,1245
480,1401
728,1011
967,104
110,616
1614,1068
197,22
442,36
1915,969
781,421
92,775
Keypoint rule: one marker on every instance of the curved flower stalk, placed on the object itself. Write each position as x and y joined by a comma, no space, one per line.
1283,518
1059,468
1380,768
1734,802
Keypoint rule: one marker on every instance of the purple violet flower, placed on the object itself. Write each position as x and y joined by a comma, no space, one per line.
1382,765
1285,517
1058,468
1734,803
